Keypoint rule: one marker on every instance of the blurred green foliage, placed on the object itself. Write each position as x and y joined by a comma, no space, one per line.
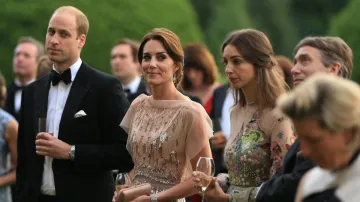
272,18
228,15
209,21
312,17
110,20
346,26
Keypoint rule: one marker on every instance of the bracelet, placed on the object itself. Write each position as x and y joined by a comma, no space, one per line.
153,197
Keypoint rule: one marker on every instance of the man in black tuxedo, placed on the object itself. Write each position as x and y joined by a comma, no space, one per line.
126,68
26,56
312,54
73,159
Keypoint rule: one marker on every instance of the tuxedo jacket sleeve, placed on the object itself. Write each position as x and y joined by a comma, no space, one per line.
113,106
283,185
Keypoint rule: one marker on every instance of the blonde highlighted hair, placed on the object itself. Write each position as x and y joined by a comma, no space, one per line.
82,21
331,100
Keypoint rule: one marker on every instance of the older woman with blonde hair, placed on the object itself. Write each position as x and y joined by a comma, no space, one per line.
326,114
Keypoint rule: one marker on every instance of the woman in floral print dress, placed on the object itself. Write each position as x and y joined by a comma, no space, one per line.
260,135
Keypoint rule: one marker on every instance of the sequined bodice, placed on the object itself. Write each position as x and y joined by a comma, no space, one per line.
157,143
247,155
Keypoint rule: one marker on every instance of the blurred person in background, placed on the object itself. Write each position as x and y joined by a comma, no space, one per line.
25,61
200,74
311,55
260,134
126,68
44,66
223,100
326,114
284,68
8,142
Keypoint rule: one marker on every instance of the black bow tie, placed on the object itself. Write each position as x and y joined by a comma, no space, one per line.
65,77
127,91
16,87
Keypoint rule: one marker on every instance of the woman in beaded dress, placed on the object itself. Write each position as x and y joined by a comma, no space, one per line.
8,138
260,135
167,131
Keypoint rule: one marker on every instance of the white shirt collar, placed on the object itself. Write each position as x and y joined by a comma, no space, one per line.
74,68
18,83
133,85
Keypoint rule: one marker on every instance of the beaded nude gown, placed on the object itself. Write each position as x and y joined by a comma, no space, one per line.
163,136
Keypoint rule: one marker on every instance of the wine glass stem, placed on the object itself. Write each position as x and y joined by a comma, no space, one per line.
202,196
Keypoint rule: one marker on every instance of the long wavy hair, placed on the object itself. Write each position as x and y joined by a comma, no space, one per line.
256,49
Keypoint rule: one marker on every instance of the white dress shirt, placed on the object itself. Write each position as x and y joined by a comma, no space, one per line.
18,93
56,103
133,85
225,114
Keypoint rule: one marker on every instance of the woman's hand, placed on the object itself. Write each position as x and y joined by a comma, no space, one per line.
142,198
115,196
213,193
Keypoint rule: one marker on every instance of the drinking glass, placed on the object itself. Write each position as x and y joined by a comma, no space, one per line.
122,181
206,168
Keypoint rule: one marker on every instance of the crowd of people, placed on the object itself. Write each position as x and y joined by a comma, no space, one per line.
277,130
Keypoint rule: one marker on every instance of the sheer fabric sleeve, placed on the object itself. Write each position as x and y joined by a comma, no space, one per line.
282,137
199,132
127,120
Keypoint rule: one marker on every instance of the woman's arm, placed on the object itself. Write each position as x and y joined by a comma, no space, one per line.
185,188
11,139
282,137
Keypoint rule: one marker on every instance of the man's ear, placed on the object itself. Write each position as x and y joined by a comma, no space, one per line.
82,40
334,68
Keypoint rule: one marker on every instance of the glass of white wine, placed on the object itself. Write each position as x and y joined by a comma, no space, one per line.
122,181
206,168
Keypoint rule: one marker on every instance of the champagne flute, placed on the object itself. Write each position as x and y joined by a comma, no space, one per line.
42,126
122,181
206,168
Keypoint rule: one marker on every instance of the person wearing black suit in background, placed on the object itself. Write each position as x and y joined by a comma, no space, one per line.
26,57
83,108
125,67
312,54
223,100
25,61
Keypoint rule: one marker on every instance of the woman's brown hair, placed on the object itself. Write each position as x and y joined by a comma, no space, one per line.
255,48
285,65
172,45
197,56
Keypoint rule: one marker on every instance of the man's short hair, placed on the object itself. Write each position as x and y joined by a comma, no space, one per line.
38,44
134,45
82,21
333,50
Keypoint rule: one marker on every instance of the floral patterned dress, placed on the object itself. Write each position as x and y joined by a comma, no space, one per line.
5,195
257,147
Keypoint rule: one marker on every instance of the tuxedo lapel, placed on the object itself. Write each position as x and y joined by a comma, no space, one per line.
41,99
142,88
77,92
219,101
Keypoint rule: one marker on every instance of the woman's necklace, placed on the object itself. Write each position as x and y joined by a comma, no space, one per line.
250,103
